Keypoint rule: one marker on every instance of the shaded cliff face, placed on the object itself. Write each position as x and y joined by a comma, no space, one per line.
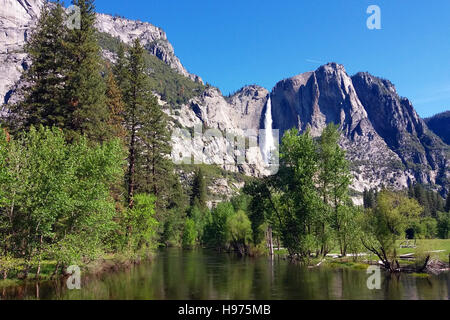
384,137
313,99
440,125
396,121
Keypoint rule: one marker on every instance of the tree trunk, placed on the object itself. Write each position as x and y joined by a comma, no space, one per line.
131,168
38,272
56,270
425,265
270,240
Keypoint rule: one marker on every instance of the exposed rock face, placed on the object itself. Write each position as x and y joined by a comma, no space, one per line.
384,137
440,125
248,107
18,17
16,20
154,39
237,115
396,121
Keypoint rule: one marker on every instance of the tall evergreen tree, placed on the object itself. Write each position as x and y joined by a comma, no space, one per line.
148,141
65,87
369,198
115,107
136,97
154,156
421,196
199,189
44,93
86,87
120,68
447,203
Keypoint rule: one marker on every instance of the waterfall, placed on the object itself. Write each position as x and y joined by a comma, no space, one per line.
268,144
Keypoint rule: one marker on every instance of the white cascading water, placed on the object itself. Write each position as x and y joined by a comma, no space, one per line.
268,141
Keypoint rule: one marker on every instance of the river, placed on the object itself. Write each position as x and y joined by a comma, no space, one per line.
204,274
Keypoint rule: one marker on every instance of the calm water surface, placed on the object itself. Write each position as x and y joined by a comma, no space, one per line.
203,274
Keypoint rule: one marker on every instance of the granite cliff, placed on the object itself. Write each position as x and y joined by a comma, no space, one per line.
386,141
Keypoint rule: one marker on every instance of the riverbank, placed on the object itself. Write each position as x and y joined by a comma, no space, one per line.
408,251
202,274
107,263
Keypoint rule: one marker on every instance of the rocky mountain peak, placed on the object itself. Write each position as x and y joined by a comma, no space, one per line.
153,38
384,137
331,68
392,116
18,17
313,99
250,91
382,131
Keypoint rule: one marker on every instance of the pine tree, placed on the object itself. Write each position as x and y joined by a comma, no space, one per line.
447,203
154,161
136,95
410,191
120,68
86,88
422,197
116,107
44,93
199,189
149,167
65,87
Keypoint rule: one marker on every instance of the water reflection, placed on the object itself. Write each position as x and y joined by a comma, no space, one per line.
203,274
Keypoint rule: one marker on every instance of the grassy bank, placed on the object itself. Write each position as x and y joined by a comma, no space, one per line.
104,264
429,245
439,249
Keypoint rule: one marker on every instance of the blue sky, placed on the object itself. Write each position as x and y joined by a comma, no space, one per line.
233,43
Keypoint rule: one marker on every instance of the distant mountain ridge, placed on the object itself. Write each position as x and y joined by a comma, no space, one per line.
386,140
440,125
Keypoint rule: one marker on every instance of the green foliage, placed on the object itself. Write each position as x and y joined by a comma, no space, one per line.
85,86
334,181
174,88
369,197
56,200
307,203
239,231
149,167
44,99
347,227
141,223
198,196
443,225
428,228
431,201
387,222
64,85
300,203
190,234
202,217
261,208
216,233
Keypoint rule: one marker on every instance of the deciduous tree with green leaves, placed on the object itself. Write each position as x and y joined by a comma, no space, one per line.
387,223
